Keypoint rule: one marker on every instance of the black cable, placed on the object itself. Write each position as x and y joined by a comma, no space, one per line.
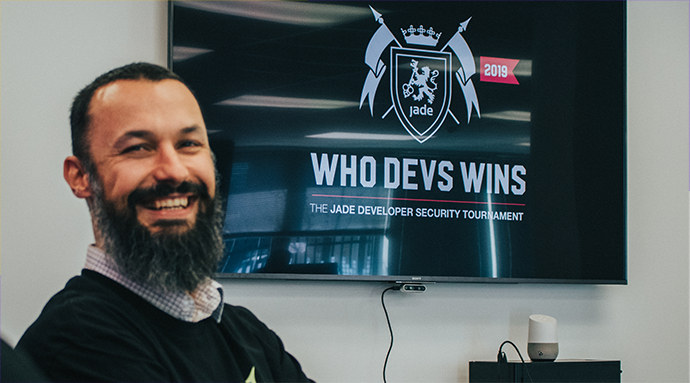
502,358
390,329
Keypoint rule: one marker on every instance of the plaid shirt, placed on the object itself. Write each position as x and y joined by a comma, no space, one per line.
206,301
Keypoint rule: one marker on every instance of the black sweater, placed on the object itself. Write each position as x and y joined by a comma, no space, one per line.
97,330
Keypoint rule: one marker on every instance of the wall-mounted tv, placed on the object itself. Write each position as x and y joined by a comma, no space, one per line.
414,141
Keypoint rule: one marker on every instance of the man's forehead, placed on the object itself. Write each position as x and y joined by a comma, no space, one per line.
142,96
137,105
129,87
108,91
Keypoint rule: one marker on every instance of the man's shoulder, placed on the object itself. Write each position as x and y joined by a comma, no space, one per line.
92,311
89,292
239,315
89,303
237,311
245,325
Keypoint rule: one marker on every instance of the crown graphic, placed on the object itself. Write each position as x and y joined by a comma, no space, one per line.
421,36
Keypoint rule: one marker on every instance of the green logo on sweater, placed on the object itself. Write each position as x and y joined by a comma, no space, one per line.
252,377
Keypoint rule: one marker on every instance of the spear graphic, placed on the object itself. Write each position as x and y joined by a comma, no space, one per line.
378,43
467,68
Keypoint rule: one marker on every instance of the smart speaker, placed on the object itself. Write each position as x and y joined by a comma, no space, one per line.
542,340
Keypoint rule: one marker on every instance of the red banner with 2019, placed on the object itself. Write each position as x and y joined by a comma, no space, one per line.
500,70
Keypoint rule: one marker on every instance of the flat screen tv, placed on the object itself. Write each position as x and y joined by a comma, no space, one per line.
414,141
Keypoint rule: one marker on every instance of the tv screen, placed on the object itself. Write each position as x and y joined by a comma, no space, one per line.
414,141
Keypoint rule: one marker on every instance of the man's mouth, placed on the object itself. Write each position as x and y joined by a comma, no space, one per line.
176,203
167,202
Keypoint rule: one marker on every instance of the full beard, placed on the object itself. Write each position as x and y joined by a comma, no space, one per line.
173,259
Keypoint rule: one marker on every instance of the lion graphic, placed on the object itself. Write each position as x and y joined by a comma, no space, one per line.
421,81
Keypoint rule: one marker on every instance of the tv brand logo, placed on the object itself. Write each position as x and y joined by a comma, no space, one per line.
421,83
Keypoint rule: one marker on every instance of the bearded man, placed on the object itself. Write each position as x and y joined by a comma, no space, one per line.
145,307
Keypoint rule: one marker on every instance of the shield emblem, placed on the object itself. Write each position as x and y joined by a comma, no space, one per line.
420,89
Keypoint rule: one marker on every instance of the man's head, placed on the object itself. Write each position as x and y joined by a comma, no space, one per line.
143,163
79,116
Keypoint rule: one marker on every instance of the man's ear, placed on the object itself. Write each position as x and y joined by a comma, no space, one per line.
76,176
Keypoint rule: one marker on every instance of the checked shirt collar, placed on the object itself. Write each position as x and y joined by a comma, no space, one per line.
205,302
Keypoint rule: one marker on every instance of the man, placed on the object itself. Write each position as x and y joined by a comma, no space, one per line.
145,307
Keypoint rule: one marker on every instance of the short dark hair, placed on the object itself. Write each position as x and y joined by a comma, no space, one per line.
79,115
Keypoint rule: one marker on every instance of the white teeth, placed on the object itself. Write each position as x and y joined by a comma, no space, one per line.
172,203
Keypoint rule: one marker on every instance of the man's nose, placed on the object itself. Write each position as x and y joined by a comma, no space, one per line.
169,166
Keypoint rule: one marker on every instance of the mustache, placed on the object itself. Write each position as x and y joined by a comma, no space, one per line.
164,189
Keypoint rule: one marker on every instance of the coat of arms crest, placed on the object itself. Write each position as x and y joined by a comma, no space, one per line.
420,80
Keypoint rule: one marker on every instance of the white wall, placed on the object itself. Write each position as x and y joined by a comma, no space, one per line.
49,50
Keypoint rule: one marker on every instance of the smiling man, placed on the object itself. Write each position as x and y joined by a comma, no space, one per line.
145,307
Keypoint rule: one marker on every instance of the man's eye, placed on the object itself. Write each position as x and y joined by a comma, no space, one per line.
189,144
133,148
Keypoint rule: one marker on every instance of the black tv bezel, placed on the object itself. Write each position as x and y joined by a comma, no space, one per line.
441,279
